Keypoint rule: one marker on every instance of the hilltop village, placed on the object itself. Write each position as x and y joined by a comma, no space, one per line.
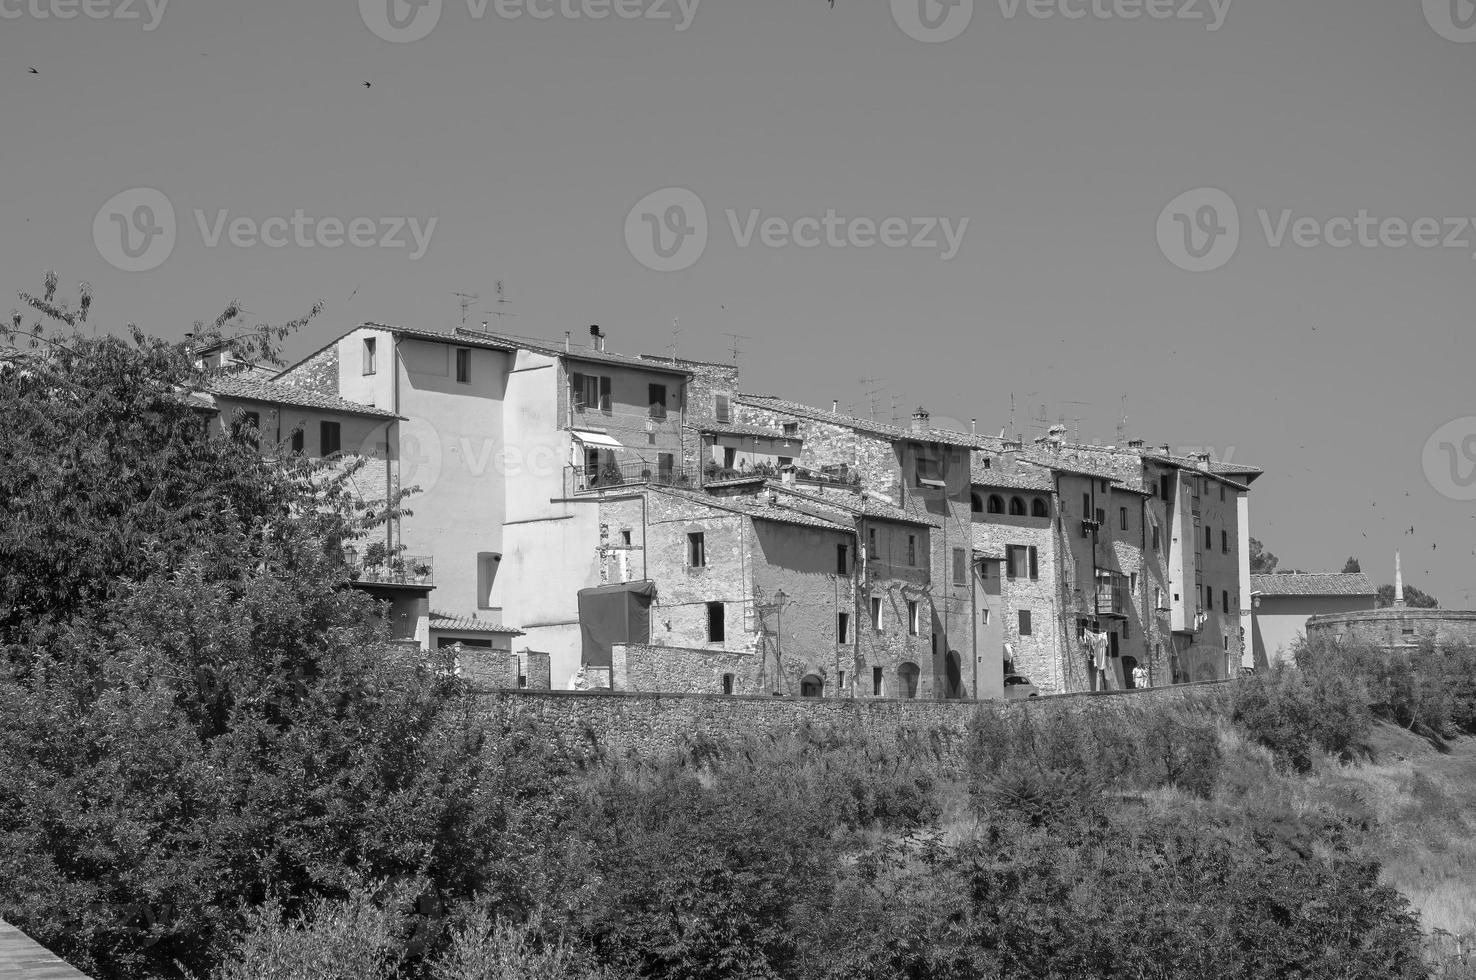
588,519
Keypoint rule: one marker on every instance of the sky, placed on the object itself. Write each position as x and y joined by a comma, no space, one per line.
1244,226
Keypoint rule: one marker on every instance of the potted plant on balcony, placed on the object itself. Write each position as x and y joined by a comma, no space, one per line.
422,571
397,569
374,558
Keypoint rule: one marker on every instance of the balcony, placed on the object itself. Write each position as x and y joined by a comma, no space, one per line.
410,571
582,479
1112,596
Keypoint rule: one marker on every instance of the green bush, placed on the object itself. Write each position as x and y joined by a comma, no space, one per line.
1299,712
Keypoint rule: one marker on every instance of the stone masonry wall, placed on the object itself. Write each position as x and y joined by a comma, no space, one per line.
653,723
642,668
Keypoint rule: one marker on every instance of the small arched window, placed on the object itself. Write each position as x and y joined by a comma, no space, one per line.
1017,507
996,504
1039,508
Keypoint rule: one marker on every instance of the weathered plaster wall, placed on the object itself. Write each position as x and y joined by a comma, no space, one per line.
1279,619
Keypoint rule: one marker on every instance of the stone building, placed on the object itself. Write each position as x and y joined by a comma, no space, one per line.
1282,604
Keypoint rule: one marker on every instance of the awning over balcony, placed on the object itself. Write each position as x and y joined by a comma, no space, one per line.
598,439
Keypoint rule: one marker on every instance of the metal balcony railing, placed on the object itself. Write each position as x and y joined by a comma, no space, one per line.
580,479
397,570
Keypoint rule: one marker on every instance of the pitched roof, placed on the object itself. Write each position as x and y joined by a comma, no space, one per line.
988,476
256,389
739,429
22,958
1314,584
750,508
852,503
460,339
576,352
894,432
446,622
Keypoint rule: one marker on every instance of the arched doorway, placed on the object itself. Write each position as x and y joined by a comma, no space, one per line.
1128,664
812,686
907,677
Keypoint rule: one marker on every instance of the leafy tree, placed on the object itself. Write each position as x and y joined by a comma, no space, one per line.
199,714
1351,565
1262,562
1412,597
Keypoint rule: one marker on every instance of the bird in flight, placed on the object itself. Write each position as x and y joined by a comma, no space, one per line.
33,71
367,84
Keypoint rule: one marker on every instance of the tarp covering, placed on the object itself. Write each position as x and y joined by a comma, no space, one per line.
613,614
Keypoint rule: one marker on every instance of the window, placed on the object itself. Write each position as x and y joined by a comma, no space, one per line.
842,559
1156,544
1227,642
1086,506
1133,583
976,503
328,437
697,549
1224,542
1122,518
960,567
791,430
487,564
721,408
1034,568
715,616
912,550
913,617
842,627
730,457
1101,515
1157,597
983,567
1209,597
1209,538
840,680
463,365
665,464
876,682
785,461
369,360
871,543
984,618
1024,622
656,397
1016,558
996,504
1225,602
1039,508
1017,507
1126,631
929,470
908,676
727,683
876,613
1222,493
625,538
298,441
591,392
1166,486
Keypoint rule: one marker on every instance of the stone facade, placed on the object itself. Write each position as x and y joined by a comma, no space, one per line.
1396,628
537,671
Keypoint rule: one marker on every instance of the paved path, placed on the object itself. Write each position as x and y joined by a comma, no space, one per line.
22,958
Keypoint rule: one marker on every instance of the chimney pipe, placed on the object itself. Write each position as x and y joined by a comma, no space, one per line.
566,341
599,338
973,427
835,406
920,419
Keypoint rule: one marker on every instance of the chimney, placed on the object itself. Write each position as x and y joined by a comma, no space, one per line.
566,341
1135,443
920,419
599,338
973,427
786,476
835,406
1165,449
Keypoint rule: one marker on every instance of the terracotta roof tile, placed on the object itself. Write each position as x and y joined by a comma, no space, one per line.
1314,584
255,389
469,624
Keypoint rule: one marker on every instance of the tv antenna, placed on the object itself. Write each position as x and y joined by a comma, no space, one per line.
466,299
870,393
502,301
1077,418
676,333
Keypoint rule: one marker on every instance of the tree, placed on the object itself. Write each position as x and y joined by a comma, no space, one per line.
1262,562
199,714
1412,597
1351,565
